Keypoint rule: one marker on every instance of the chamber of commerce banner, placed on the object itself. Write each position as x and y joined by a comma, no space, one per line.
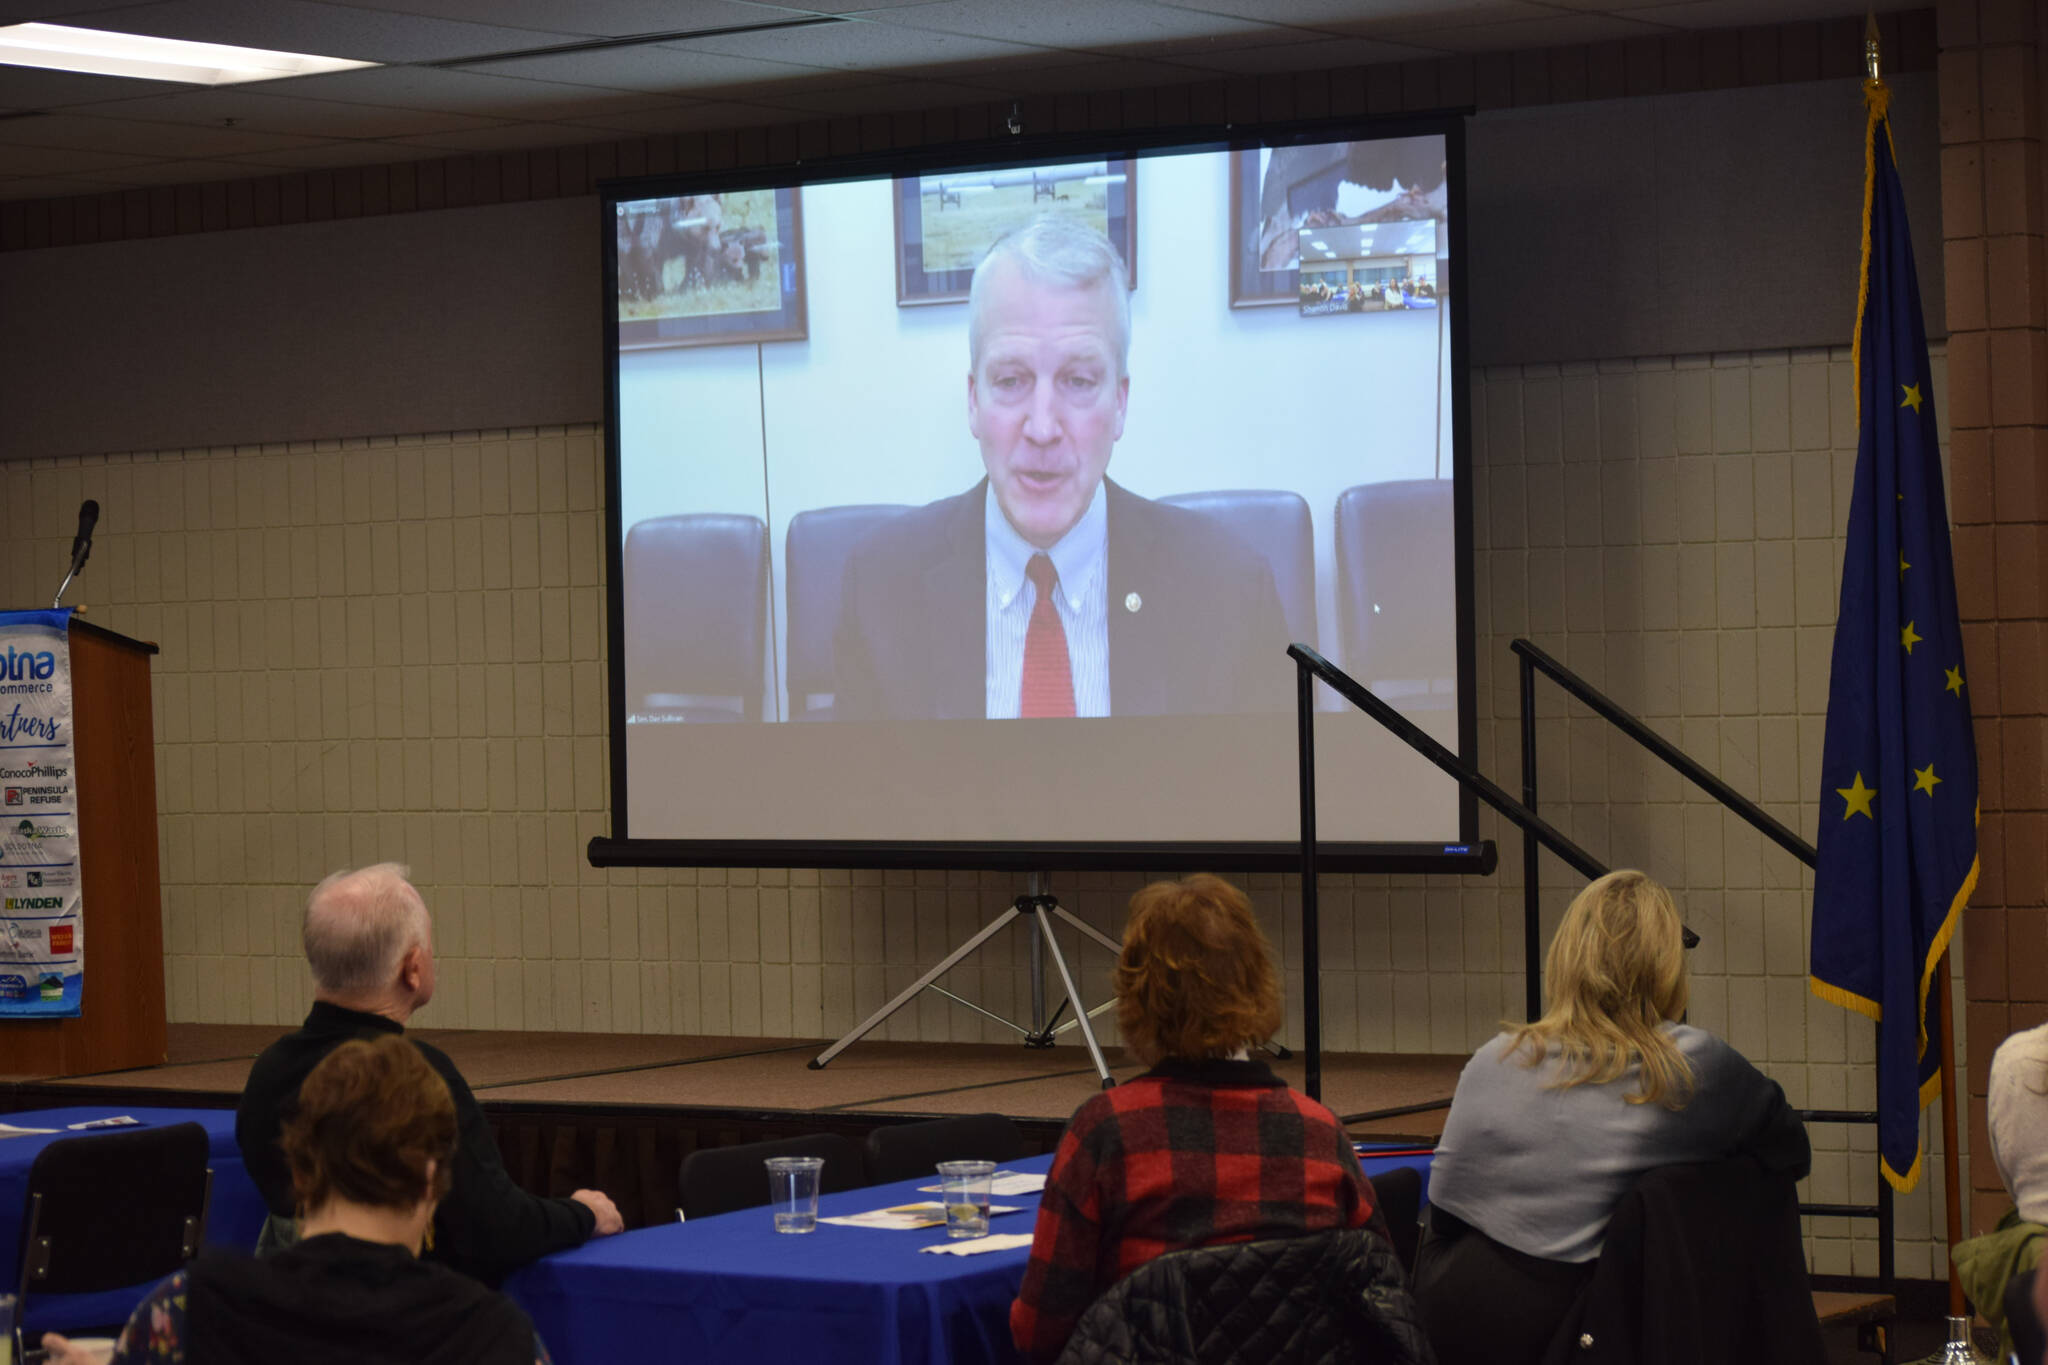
42,936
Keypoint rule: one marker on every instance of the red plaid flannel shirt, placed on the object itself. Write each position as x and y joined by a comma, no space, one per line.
1189,1154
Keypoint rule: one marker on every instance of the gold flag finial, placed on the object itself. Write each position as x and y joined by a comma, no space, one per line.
1870,63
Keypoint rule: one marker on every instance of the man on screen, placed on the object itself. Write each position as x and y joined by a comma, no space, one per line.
1046,589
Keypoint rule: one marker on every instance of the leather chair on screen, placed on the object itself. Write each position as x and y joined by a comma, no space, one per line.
717,1180
107,1211
905,1151
1397,591
696,616
1276,524
815,559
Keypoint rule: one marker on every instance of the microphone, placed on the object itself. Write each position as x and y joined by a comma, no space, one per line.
81,546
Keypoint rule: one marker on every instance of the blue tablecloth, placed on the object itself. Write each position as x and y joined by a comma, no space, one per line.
234,1218
732,1288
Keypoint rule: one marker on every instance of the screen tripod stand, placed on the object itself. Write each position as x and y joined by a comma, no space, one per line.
1040,906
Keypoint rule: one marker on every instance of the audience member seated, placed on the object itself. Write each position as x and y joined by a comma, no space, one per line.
1553,1123
1208,1146
2018,1112
2018,1108
370,945
370,1149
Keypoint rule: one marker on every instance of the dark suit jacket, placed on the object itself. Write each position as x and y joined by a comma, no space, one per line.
1208,637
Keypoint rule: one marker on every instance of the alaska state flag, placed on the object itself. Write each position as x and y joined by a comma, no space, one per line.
1898,801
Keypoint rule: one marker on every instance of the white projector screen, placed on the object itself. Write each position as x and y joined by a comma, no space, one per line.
976,507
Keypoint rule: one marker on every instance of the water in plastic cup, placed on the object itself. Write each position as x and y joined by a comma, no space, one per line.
966,1189
793,1192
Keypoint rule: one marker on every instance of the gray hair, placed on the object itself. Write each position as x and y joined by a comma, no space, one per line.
359,926
1057,249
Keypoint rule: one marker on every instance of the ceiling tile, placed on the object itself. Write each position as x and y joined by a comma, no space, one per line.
841,6
322,29
881,97
49,161
663,69
177,173
328,156
1346,14
506,137
52,187
28,87
260,113
132,137
1401,22
682,118
1070,77
1553,30
859,45
1735,13
1076,25
613,18
476,93
1319,54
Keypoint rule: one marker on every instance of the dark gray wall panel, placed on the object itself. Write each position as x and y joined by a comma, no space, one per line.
1681,224
447,321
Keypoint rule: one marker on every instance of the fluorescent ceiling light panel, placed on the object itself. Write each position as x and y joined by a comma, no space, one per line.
103,53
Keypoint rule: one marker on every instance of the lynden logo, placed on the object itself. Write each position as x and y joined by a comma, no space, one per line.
33,903
23,666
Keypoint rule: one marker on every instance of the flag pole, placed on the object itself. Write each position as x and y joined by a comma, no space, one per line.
1951,1165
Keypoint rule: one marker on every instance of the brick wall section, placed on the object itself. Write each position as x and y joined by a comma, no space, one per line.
1993,225
1711,60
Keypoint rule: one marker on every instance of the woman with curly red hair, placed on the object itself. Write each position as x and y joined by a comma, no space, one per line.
1207,1147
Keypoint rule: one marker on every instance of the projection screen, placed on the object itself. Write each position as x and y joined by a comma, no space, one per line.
974,507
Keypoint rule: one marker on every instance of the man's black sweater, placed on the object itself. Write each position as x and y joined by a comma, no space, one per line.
486,1228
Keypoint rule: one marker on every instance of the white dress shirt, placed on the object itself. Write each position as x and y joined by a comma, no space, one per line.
1081,557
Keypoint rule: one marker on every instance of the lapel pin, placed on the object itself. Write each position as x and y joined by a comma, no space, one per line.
1132,601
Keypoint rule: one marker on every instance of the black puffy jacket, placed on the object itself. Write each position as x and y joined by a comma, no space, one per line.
1334,1298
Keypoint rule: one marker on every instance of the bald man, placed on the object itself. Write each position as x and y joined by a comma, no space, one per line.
370,945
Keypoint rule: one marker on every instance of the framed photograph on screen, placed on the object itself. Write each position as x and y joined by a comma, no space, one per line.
711,269
1334,196
946,223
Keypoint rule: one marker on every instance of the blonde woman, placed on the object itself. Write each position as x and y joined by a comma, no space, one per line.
1554,1121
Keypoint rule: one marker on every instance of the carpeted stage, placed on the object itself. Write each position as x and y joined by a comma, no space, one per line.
619,1111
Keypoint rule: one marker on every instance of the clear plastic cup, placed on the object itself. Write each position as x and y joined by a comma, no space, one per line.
9,1306
793,1191
965,1187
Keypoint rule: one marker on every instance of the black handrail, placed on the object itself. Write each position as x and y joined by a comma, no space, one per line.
1766,824
1418,739
1533,657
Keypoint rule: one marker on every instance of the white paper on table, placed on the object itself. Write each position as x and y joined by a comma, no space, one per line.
119,1121
1005,1185
974,1246
8,1130
907,1217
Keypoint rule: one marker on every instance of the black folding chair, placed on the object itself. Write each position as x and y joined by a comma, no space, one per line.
906,1151
111,1210
726,1179
1399,1193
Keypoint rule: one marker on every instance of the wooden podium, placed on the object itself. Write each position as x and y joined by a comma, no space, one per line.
114,746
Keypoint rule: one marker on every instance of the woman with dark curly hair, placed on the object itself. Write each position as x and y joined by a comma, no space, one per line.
369,1149
1208,1146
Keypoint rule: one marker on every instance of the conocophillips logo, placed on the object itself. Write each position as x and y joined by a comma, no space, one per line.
35,772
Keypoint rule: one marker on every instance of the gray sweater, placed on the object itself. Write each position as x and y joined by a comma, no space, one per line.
1541,1169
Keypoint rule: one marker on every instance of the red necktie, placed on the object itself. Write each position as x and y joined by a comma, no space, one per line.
1048,678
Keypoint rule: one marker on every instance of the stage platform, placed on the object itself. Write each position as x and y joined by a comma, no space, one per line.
619,1111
